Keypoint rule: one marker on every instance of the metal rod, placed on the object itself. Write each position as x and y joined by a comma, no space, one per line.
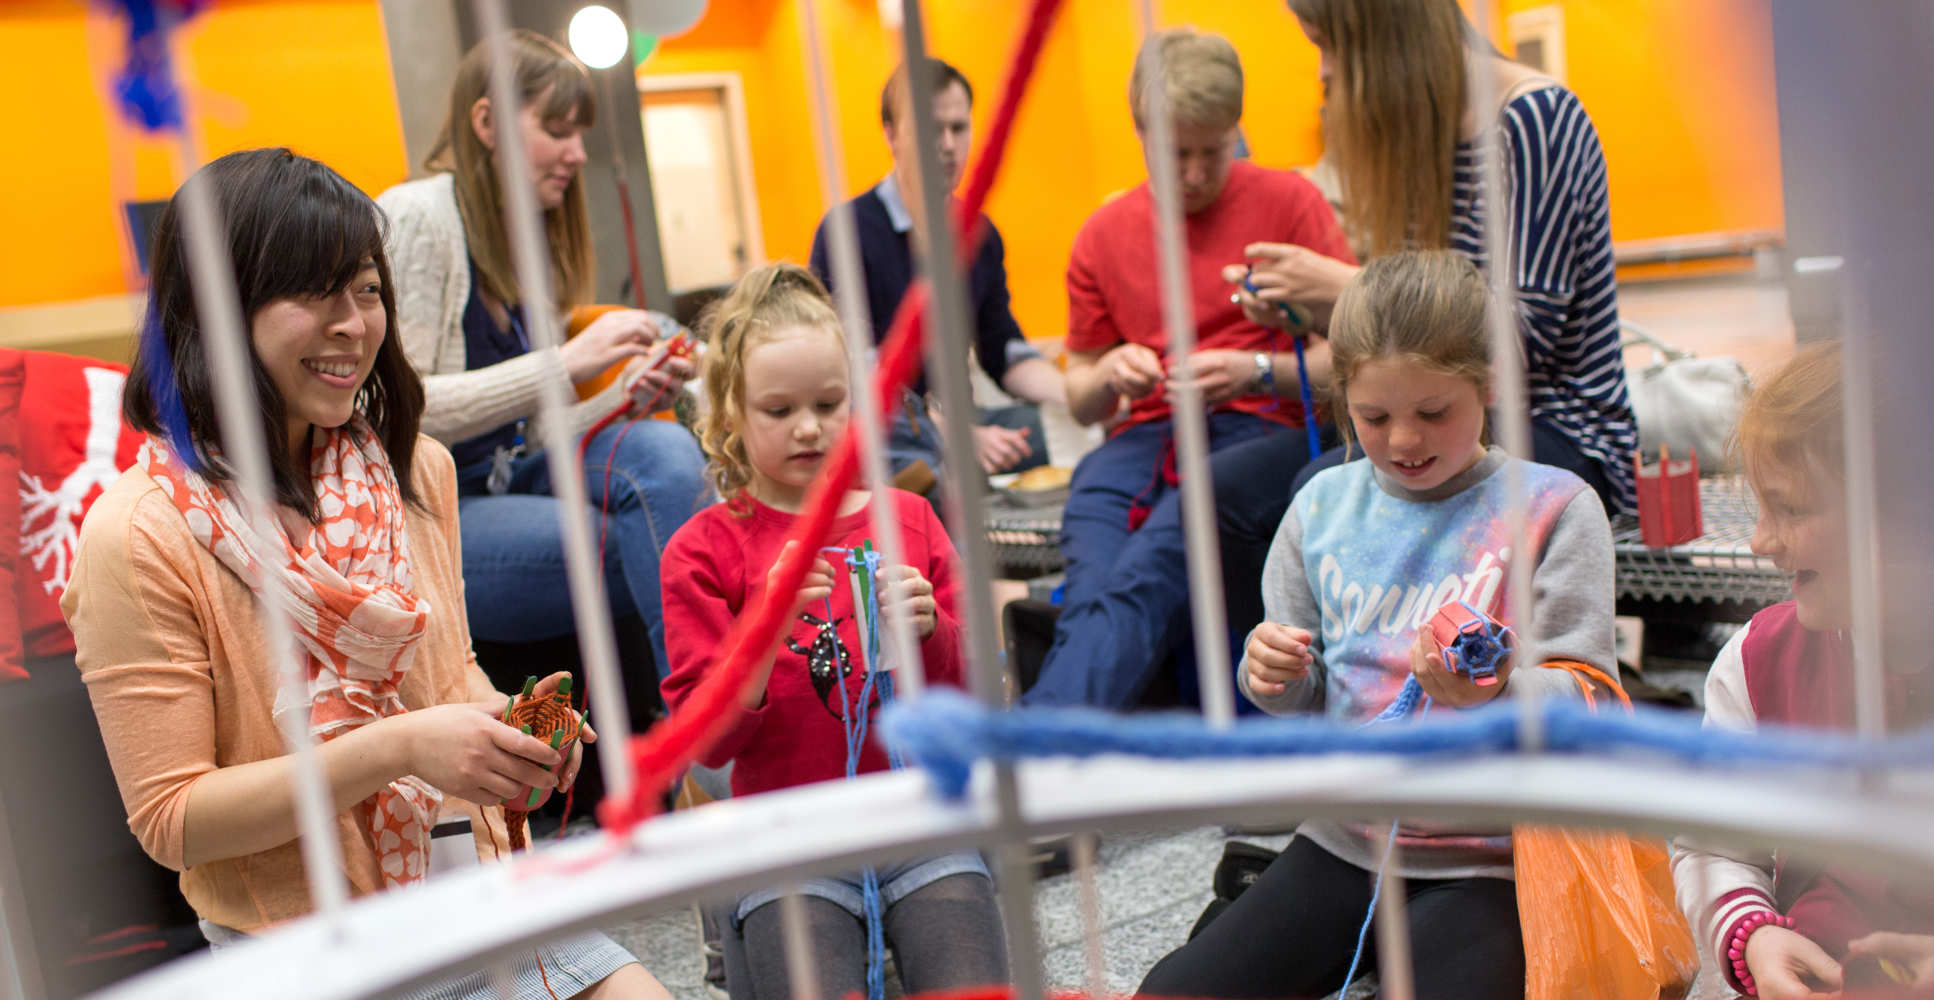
947,345
224,330
849,292
1088,900
1396,975
802,968
1863,533
1507,361
1188,413
596,642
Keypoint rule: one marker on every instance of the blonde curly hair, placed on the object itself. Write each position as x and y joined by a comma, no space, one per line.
768,299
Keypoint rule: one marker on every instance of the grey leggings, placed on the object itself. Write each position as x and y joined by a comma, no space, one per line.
944,935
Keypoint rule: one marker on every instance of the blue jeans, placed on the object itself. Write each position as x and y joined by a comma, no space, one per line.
514,581
1127,601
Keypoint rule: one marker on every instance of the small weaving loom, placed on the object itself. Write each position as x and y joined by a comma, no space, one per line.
551,719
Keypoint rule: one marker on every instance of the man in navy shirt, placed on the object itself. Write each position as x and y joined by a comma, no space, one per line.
889,220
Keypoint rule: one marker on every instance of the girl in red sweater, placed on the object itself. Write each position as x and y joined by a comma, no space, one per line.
776,380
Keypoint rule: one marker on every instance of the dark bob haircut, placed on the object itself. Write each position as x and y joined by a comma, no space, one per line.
294,228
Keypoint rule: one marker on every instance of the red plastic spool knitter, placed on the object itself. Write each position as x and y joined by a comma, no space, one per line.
1668,499
1471,642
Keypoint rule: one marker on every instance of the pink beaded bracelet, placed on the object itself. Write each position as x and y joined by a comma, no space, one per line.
1736,944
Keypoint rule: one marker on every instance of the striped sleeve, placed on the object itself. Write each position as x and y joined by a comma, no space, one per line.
1561,239
1717,888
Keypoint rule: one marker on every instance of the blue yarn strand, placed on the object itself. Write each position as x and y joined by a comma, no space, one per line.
1309,405
1370,918
145,86
947,732
1407,699
854,723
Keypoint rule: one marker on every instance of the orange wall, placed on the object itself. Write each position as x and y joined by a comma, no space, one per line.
309,74
1073,143
1681,93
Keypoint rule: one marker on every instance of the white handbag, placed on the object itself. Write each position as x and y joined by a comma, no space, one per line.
1685,402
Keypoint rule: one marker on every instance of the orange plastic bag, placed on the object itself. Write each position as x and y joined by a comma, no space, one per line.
1597,908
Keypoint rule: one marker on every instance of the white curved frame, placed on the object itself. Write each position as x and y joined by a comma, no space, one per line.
468,919
458,921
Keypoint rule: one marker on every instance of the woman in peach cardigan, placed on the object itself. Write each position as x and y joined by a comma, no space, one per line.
170,633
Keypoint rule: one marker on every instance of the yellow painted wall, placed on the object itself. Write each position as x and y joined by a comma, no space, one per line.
309,74
1682,94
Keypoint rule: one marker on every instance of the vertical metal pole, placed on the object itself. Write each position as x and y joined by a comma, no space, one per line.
588,605
1190,417
1507,362
946,367
801,965
1396,975
1086,847
849,289
225,331
20,975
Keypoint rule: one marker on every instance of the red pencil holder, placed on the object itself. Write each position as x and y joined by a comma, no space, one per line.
1668,500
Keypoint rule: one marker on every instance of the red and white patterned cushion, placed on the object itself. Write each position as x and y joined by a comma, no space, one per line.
71,445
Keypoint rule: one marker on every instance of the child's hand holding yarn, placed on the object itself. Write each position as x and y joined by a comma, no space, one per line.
1445,686
1275,655
817,586
904,586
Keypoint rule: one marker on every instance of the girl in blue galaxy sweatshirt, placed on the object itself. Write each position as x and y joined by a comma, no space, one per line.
1366,555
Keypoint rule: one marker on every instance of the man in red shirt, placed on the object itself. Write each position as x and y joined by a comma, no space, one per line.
1117,344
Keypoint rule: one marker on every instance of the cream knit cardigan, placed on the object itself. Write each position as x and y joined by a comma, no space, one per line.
429,261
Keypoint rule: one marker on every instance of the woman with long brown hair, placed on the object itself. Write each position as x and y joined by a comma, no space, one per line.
1399,75
460,311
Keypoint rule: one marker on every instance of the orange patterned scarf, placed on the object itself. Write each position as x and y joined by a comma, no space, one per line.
355,614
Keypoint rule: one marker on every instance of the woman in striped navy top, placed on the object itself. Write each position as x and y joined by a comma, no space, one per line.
1414,179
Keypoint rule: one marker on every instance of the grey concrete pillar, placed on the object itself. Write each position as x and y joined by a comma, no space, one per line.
424,50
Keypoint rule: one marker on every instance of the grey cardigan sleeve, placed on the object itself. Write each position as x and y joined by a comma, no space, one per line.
1572,585
1288,600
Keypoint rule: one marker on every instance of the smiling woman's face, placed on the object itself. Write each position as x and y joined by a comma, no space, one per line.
318,350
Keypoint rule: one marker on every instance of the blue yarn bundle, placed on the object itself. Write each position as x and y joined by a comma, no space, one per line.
946,732
146,84
866,601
